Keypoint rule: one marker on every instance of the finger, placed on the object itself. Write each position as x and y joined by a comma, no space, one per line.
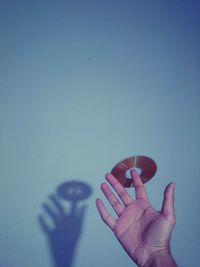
50,212
140,191
117,206
43,224
168,201
126,199
57,204
106,217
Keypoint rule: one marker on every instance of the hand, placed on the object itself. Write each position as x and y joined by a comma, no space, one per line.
142,231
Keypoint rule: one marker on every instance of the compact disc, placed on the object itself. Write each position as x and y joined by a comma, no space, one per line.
145,164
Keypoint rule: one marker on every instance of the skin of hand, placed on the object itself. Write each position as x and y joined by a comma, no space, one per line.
143,232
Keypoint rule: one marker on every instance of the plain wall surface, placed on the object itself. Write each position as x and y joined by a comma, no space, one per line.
83,85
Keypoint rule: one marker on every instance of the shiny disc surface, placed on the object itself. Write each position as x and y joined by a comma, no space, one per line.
147,165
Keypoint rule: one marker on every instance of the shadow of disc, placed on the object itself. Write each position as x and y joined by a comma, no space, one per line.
74,191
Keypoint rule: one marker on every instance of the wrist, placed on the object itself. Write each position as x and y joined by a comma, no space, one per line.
162,258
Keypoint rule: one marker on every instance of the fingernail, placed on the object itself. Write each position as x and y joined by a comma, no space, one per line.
133,171
102,185
173,185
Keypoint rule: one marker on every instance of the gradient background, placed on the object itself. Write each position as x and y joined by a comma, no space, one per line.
85,84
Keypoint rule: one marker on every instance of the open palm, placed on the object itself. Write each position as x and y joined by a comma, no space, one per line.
140,229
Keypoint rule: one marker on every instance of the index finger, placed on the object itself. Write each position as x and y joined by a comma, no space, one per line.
140,191
126,199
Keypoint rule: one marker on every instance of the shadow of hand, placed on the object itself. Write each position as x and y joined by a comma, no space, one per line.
63,237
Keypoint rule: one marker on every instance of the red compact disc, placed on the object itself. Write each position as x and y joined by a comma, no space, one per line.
145,164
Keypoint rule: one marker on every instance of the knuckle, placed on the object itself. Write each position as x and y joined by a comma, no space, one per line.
115,203
122,194
172,219
109,195
139,186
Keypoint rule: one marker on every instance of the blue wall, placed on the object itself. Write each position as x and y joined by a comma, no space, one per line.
83,85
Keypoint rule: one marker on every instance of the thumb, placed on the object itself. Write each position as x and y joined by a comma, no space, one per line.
168,201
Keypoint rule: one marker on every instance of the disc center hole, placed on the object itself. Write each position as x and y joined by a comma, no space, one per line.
128,172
